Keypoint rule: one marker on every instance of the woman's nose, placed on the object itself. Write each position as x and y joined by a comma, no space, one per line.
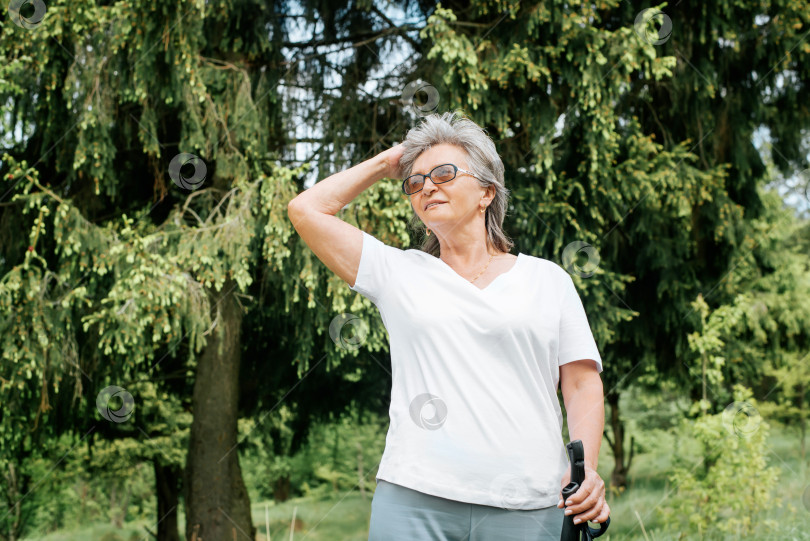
425,185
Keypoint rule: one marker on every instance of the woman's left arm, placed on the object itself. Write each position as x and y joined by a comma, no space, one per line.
584,398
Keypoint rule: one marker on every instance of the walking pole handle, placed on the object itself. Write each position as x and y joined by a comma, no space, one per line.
576,456
571,531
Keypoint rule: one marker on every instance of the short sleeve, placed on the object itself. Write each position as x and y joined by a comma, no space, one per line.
576,340
377,263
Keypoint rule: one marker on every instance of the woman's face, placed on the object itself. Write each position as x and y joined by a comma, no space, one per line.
461,196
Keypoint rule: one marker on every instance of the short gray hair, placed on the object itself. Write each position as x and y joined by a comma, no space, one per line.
483,159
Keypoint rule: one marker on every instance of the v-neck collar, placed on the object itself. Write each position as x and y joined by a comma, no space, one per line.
520,256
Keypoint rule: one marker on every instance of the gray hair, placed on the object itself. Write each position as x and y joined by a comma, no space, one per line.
483,160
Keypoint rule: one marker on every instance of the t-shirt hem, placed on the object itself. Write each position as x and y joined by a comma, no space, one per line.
462,495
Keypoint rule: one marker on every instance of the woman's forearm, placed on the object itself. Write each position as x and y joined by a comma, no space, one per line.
586,418
333,193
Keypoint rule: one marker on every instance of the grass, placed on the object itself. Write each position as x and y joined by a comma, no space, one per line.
344,517
634,514
98,532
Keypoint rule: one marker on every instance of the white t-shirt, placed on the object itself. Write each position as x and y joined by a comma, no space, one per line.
474,410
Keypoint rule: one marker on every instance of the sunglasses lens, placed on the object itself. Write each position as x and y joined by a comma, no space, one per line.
414,184
443,173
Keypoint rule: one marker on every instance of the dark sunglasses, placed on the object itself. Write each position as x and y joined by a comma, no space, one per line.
438,175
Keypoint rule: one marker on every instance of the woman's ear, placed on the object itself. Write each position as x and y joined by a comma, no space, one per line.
492,191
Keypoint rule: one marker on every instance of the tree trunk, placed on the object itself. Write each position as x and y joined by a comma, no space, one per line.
802,422
217,502
335,451
281,489
14,522
83,488
361,478
167,487
125,504
618,479
115,512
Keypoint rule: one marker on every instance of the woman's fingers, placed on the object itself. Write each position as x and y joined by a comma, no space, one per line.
391,159
592,504
592,488
598,513
585,505
603,516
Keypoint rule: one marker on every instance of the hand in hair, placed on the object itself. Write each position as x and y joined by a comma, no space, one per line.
391,159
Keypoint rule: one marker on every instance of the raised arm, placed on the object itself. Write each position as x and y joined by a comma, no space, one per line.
336,243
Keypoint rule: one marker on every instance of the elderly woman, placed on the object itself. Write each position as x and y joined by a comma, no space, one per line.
479,340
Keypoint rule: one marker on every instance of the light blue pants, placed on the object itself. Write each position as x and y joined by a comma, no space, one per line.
402,514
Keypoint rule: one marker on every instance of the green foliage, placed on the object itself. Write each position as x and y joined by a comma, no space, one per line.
263,460
760,337
149,285
707,342
79,492
334,454
730,489
328,462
